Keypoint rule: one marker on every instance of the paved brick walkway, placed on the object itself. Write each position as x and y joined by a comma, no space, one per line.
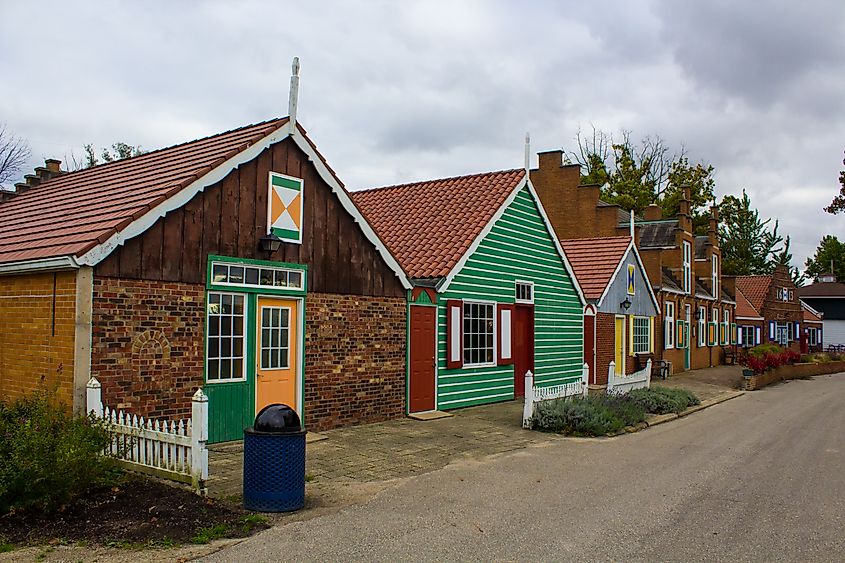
394,449
406,447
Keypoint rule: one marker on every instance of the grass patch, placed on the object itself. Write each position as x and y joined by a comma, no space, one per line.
210,533
6,547
663,400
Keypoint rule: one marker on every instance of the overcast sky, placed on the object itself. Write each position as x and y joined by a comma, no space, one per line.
401,91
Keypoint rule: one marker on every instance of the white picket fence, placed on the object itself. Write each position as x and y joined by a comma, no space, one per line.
619,384
173,450
534,395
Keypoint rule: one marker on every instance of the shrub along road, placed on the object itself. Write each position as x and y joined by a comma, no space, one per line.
756,478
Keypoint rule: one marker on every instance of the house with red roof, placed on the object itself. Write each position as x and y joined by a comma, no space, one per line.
237,263
813,329
621,306
768,311
493,294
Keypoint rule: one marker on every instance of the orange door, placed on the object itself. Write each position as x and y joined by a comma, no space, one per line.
276,354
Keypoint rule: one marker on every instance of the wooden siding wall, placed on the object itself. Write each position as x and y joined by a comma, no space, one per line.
518,247
230,217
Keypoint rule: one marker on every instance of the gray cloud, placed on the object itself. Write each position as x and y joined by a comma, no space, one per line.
394,92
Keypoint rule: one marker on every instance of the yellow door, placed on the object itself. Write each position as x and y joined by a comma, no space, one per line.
619,357
276,352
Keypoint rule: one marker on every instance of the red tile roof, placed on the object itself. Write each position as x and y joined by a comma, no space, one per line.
70,214
743,307
594,260
428,226
810,316
754,289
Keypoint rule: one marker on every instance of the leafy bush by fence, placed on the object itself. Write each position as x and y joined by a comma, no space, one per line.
47,455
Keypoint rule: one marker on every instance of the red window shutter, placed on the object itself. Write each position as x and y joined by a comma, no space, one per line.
504,335
454,334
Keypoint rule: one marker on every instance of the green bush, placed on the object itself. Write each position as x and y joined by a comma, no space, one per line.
762,349
662,400
47,455
596,415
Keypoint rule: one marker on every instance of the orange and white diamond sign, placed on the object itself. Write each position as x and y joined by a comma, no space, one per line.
284,208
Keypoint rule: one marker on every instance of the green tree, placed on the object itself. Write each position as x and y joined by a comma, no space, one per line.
118,151
634,176
829,252
838,203
784,257
749,245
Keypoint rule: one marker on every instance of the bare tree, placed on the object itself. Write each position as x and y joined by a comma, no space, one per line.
14,152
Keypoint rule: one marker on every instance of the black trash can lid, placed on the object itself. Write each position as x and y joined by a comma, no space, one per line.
277,418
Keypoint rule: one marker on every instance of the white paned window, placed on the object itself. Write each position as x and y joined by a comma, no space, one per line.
479,334
782,333
747,336
812,337
275,338
726,326
225,336
243,275
702,326
669,325
687,281
714,278
642,338
525,292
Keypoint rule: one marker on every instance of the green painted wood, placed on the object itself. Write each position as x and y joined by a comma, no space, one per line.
519,247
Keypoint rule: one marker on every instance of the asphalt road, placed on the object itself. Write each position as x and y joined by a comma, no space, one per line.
758,478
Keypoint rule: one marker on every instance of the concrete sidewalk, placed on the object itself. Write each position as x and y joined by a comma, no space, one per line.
706,383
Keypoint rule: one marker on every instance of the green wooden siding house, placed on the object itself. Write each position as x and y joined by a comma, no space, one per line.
493,294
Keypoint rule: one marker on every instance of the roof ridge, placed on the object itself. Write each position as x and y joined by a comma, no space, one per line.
161,149
449,178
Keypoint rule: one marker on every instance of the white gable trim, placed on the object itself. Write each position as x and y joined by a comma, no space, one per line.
40,265
489,226
137,227
631,248
350,208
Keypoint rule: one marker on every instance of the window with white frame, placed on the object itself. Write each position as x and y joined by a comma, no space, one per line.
748,336
479,334
642,338
714,278
225,336
687,281
726,339
812,337
524,292
669,325
702,326
243,275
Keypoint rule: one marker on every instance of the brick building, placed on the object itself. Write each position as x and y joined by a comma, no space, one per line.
769,311
237,263
696,309
621,306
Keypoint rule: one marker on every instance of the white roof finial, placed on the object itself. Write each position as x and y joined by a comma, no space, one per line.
294,93
632,224
527,153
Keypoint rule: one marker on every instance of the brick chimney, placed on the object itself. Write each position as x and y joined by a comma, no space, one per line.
51,169
653,213
684,216
557,186
713,227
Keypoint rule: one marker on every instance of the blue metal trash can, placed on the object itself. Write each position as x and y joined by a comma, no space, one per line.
274,461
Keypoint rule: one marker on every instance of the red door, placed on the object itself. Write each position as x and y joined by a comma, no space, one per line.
421,383
523,346
590,345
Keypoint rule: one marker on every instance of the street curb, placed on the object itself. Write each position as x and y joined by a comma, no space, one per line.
663,418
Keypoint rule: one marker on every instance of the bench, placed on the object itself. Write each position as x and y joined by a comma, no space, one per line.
730,355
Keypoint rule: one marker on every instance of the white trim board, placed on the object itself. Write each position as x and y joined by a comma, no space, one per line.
101,251
631,246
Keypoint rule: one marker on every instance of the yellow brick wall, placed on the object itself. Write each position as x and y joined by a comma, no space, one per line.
36,344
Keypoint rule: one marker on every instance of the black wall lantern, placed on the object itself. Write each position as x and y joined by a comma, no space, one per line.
270,243
626,304
697,315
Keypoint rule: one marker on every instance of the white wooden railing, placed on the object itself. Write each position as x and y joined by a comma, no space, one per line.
619,384
173,450
534,395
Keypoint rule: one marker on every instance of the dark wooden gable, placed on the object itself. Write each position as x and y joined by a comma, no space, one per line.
230,217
